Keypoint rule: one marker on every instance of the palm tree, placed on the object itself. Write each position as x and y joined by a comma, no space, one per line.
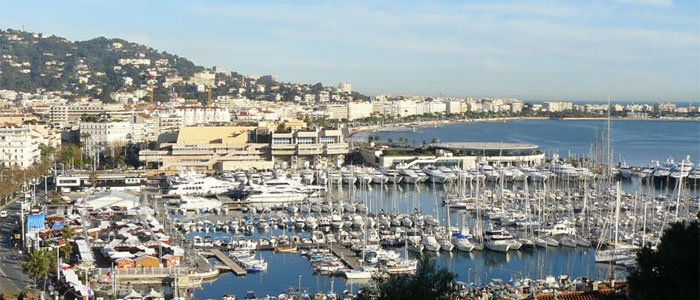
37,265
68,232
93,179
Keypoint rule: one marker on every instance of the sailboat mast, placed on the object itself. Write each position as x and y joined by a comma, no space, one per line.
608,142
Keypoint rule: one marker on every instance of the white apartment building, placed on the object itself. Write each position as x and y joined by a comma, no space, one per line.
344,87
196,115
63,115
359,110
205,78
433,107
166,123
455,107
135,61
664,106
401,108
558,106
516,107
335,111
19,146
103,135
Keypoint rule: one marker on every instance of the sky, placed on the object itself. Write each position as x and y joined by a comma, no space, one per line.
633,50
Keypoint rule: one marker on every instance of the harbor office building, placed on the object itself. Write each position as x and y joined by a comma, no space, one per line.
464,155
227,148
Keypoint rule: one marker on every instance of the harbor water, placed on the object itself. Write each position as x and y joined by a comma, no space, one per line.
637,142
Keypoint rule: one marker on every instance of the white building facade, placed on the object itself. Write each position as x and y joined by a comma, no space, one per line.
19,147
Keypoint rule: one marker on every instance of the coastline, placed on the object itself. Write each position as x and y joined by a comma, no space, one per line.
404,126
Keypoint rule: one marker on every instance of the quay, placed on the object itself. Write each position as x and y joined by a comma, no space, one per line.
346,256
186,277
230,264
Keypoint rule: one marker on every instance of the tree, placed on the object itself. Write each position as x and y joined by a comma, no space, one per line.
67,232
38,264
47,152
93,179
429,282
55,197
671,271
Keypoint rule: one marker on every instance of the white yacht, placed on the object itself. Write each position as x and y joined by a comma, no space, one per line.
362,177
334,177
664,171
201,186
490,173
462,243
648,171
274,196
430,243
254,178
348,178
435,175
378,177
498,240
694,173
393,175
683,169
307,176
408,176
449,174
625,170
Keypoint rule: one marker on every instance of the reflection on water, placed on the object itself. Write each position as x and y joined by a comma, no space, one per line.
290,270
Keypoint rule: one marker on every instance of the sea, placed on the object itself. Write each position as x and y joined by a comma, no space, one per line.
636,142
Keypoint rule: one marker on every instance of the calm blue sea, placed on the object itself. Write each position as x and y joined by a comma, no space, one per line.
637,142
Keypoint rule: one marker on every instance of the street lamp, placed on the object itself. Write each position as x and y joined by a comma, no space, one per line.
58,261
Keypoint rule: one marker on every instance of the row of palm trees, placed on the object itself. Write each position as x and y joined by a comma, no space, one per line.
44,261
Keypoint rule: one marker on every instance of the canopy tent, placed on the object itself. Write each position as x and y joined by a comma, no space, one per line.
110,198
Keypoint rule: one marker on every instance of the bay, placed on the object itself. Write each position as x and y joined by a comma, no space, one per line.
637,142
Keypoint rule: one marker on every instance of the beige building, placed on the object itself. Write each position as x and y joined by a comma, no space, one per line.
207,149
359,110
64,115
211,148
336,111
316,148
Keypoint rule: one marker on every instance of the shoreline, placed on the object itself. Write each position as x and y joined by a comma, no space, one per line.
404,126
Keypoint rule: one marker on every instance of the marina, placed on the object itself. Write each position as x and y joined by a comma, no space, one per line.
565,216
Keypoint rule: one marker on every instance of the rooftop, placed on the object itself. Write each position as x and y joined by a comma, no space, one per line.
484,146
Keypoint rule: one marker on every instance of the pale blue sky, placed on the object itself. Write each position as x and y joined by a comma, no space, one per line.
641,50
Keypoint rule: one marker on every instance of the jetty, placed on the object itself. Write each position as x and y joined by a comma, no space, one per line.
346,256
232,265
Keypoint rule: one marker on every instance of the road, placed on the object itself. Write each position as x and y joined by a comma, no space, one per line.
12,277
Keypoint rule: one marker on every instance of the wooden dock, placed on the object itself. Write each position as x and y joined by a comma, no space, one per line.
232,265
346,256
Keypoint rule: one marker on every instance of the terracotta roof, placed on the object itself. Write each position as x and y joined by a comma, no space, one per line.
594,295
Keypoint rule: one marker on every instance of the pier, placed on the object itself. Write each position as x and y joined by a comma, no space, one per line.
232,265
346,256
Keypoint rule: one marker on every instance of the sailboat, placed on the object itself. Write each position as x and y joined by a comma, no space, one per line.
619,252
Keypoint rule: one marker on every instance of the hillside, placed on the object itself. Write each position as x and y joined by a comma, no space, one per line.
31,61
116,69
